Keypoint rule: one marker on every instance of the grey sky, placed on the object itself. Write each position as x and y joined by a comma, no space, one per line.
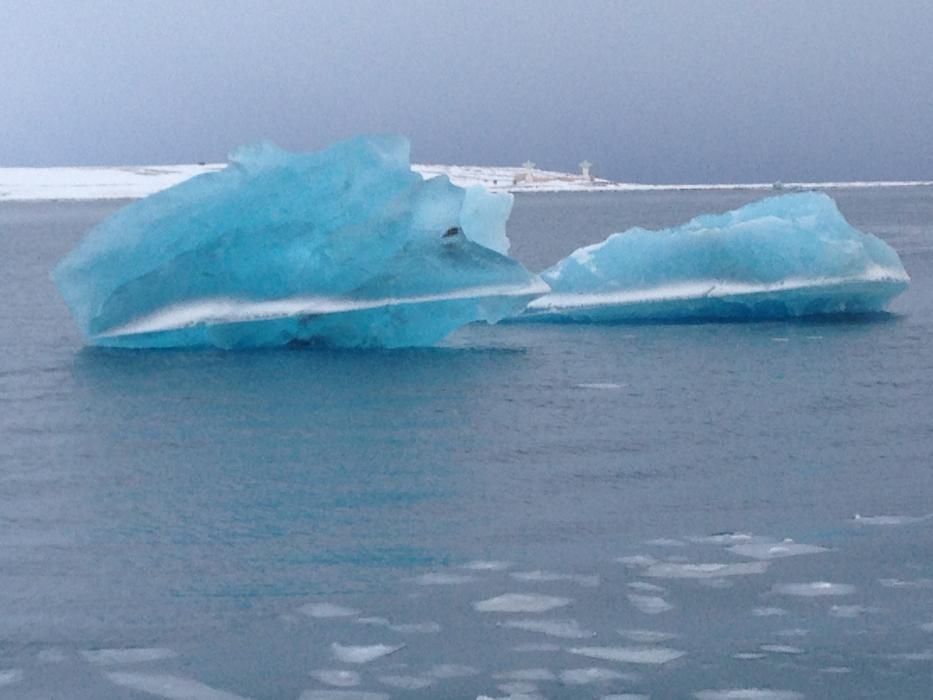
652,91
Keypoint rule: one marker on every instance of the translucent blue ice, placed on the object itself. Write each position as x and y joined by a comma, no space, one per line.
787,256
345,247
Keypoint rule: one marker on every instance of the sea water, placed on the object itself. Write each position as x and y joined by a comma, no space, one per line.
710,510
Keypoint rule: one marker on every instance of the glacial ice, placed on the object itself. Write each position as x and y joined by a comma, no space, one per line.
786,256
344,247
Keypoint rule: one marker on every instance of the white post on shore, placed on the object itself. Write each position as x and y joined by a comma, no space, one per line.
585,169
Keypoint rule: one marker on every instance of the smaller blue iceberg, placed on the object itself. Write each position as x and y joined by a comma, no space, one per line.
347,247
783,257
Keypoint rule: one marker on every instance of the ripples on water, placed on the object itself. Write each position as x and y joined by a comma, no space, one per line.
540,511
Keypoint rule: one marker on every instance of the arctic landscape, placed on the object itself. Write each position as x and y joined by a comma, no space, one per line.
640,413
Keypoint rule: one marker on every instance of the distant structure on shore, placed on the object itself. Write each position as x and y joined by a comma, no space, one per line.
585,166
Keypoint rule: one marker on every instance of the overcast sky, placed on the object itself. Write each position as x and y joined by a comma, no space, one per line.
653,91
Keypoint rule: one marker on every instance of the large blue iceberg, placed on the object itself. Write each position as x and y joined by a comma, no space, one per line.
787,256
346,247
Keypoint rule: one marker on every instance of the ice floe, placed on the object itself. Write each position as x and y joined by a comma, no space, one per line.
813,589
326,610
342,695
170,687
768,612
521,603
486,565
526,674
352,654
781,649
649,604
339,678
706,570
586,676
890,519
548,576
647,636
116,657
765,550
9,676
445,671
747,694
406,682
566,629
850,611
630,655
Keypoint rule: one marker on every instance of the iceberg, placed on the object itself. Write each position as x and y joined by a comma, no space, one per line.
346,247
787,256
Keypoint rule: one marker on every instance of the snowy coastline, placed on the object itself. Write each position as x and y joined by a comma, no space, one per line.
133,182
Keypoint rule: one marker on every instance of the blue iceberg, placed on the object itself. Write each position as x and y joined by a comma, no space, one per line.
783,257
346,247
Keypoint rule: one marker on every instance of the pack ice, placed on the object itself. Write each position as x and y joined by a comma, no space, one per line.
345,247
786,256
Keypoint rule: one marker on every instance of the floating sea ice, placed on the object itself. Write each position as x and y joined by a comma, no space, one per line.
647,587
901,583
351,654
624,696
747,694
836,669
585,676
890,519
647,636
727,538
116,657
376,621
637,560
927,627
925,655
749,656
9,676
518,688
486,565
526,674
851,611
170,687
337,677
603,386
341,695
665,542
566,629
781,649
406,682
326,610
650,604
631,655
768,612
787,256
765,550
814,589
446,671
792,632
521,603
443,578
590,581
701,571
346,247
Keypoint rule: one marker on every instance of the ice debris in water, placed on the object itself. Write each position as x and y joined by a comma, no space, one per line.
10,675
747,694
890,519
337,677
344,247
775,550
631,655
814,589
786,256
171,687
325,610
566,629
342,695
362,654
116,657
521,603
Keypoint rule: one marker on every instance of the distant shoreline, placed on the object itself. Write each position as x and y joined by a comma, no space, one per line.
134,182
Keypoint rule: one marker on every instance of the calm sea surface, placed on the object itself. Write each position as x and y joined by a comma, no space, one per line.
208,525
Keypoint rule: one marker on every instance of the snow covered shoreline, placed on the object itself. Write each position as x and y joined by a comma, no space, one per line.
133,182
